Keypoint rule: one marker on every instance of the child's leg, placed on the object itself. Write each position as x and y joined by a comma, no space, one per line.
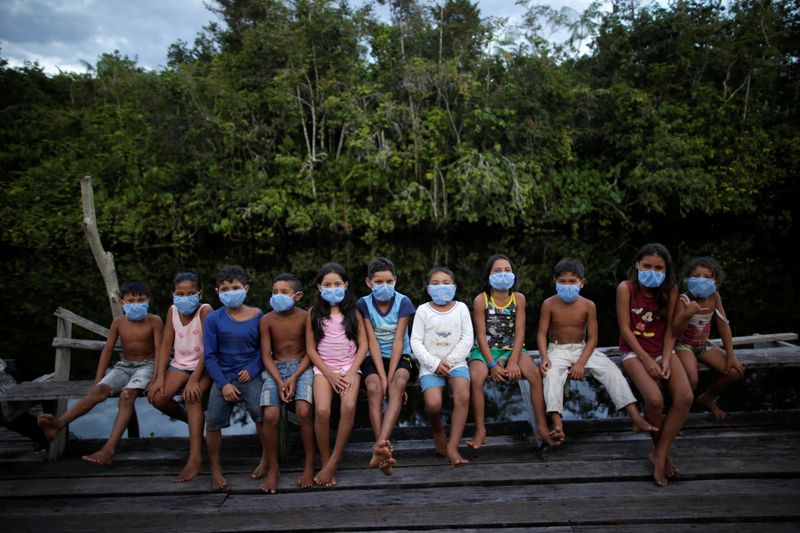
682,399
272,416
217,417
433,410
610,376
478,372
214,446
195,419
689,362
347,416
397,389
375,402
304,412
126,406
460,389
716,359
553,392
173,383
534,377
51,425
323,395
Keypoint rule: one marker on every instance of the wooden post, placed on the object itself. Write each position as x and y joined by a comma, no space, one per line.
105,260
64,330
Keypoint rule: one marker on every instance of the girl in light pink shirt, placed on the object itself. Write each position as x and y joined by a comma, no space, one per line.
336,343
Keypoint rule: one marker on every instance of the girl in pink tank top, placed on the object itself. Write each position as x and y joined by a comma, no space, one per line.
336,343
183,337
644,313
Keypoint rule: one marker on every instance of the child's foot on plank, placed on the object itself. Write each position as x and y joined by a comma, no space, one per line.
218,482
670,469
659,473
101,457
641,425
327,476
380,453
270,485
708,404
440,443
387,466
307,479
478,440
261,469
456,459
554,437
189,472
50,426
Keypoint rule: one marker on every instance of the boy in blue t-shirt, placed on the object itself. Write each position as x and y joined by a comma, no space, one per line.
389,367
232,352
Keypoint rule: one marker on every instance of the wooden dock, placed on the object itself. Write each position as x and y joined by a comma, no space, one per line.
742,475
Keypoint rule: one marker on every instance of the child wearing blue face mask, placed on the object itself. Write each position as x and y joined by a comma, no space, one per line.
567,338
232,352
692,326
287,376
441,339
389,366
499,314
645,305
183,338
140,335
336,343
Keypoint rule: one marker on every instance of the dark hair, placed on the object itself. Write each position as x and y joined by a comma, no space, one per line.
187,275
444,269
487,271
709,263
291,278
381,264
134,287
230,273
569,264
320,309
661,293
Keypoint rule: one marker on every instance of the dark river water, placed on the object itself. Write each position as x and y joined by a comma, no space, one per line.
760,293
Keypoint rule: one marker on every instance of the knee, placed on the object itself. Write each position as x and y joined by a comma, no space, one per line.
349,405
653,402
303,411
271,417
683,400
433,408
127,397
461,397
374,388
322,414
98,393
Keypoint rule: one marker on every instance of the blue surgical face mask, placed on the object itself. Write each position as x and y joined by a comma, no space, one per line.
281,302
651,279
502,281
186,304
568,293
135,312
383,292
233,299
701,287
442,294
332,295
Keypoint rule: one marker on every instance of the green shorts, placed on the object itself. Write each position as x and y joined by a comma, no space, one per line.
696,349
498,354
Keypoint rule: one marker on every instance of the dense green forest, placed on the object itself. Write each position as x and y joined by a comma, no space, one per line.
315,118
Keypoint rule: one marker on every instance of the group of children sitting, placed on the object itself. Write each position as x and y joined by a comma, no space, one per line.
238,354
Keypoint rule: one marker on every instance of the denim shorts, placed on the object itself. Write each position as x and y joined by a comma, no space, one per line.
219,411
434,380
303,390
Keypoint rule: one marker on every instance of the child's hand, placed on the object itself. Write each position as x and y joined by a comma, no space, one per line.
652,368
665,368
576,372
244,376
336,380
442,370
192,392
731,363
513,372
287,390
499,374
545,366
231,393
348,381
694,308
155,390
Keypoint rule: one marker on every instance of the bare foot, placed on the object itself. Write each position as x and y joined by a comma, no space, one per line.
327,476
455,459
101,457
261,469
307,479
270,485
659,474
440,443
50,426
641,425
387,466
477,440
189,472
709,405
670,469
555,437
380,452
218,482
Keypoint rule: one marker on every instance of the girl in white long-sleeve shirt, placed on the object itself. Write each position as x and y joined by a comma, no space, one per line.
441,340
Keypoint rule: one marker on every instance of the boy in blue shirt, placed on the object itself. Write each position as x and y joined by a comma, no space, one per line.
389,367
232,352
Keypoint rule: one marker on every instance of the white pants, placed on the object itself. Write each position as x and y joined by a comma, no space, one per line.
563,356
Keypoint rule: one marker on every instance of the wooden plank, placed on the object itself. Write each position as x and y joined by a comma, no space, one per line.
61,374
78,320
48,390
82,344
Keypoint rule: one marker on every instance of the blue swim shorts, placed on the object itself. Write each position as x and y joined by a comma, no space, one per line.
434,380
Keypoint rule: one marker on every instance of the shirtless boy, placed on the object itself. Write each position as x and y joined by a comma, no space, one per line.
139,334
567,317
287,376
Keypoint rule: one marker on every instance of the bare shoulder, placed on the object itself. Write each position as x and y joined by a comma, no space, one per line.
520,298
548,303
479,301
588,304
154,320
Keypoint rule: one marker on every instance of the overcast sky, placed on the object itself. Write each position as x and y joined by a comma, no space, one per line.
60,34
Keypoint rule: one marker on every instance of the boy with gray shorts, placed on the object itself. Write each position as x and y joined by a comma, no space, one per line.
139,333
